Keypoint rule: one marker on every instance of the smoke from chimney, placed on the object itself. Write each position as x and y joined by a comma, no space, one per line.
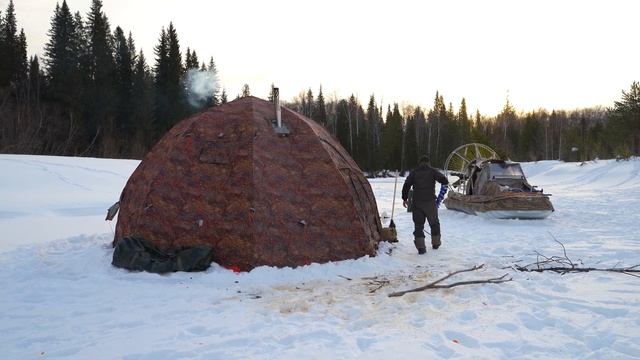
201,86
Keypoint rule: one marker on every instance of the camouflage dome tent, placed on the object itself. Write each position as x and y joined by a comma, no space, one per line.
255,193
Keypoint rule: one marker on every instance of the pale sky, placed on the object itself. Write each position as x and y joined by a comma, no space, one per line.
543,53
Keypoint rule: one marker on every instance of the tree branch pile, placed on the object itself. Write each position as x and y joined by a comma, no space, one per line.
563,265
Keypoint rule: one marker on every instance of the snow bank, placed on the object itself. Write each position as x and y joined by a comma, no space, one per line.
49,197
62,299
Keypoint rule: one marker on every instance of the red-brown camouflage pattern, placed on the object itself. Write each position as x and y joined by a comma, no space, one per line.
225,178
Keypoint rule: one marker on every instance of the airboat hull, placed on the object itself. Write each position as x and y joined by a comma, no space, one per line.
507,206
516,214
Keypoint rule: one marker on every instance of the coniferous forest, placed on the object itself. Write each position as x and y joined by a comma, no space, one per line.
94,94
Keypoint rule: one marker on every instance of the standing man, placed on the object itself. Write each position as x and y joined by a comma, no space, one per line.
423,179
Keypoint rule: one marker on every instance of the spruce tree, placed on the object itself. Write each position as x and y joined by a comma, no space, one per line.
411,143
397,132
529,139
35,80
463,120
308,111
342,125
10,56
124,58
101,49
245,90
161,72
357,135
131,44
361,136
66,80
435,122
320,113
302,106
387,140
142,112
60,55
449,136
506,125
187,59
392,139
81,46
194,60
22,64
175,70
191,60
421,132
373,136
624,123
191,70
441,151
213,74
479,131
223,96
13,49
101,100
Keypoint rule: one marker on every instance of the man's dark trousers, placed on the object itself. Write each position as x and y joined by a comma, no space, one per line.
425,210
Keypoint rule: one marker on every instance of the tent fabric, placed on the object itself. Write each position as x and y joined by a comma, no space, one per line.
225,178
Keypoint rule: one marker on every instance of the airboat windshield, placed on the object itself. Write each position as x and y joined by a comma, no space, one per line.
506,170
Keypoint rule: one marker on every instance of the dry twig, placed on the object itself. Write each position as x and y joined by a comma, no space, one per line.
435,284
377,283
380,285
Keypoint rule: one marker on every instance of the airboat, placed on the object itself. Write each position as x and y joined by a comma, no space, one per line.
483,184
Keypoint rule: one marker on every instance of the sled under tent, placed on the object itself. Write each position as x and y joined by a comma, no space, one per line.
245,184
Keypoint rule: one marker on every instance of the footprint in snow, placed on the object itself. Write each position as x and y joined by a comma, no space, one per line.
507,326
467,315
530,322
418,321
365,343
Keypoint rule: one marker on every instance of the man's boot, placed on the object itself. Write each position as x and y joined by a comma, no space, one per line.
435,241
419,242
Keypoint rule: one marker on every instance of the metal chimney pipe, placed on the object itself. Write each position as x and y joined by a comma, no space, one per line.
276,101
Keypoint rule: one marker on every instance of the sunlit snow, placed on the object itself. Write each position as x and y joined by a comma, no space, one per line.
61,298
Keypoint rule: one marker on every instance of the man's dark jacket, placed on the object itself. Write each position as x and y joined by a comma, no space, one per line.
423,179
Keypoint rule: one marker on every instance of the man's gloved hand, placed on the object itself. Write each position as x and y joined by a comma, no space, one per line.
404,203
443,191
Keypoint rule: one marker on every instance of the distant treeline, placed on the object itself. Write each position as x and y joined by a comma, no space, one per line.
395,139
93,94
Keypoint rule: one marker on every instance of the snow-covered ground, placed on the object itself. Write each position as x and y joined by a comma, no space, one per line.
61,298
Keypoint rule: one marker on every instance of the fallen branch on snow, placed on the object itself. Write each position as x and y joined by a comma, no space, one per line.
563,265
564,270
435,284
